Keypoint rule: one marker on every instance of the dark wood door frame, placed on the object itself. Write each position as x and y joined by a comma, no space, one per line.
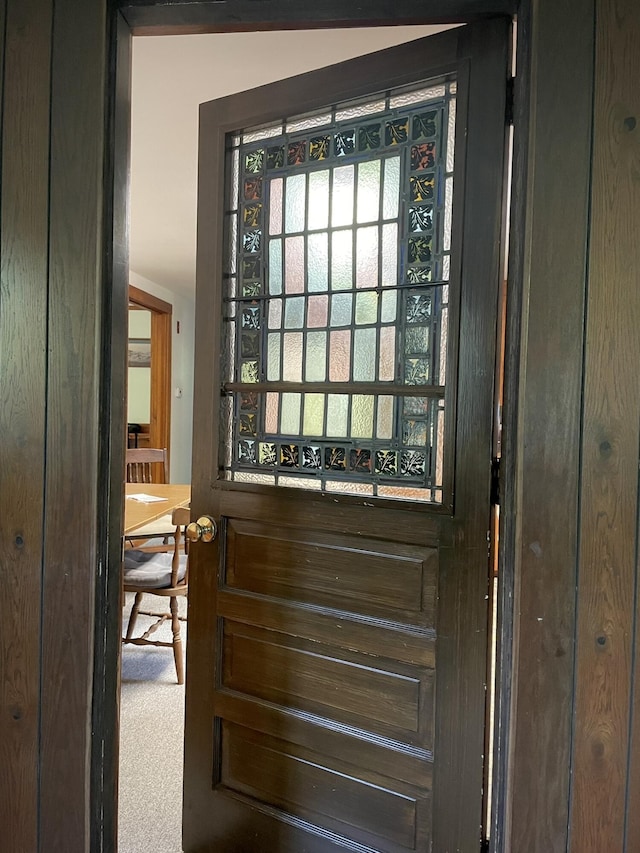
529,221
161,327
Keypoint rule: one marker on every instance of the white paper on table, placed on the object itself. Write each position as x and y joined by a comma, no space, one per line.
145,499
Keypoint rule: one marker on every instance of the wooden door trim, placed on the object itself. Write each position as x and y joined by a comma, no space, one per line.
161,328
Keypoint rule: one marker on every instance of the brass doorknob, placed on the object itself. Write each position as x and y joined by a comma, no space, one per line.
204,529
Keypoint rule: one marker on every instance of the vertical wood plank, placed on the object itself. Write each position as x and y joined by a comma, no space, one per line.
544,388
23,345
75,293
611,436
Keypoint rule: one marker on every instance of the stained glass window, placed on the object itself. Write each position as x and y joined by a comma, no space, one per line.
338,238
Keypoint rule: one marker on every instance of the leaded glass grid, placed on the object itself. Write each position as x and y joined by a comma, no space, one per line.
338,241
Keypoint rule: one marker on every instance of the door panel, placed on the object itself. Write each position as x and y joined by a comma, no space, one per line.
337,627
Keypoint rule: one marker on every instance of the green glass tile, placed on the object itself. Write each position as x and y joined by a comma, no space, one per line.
369,137
248,401
247,424
335,458
418,307
423,156
416,371
249,371
252,215
249,344
386,462
297,152
360,461
422,187
421,218
251,317
419,275
319,148
251,288
344,143
251,241
414,432
420,249
289,455
275,157
267,453
416,340
413,463
425,125
247,452
251,268
311,457
254,161
396,132
416,406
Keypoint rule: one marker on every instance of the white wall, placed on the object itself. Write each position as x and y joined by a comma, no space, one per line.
139,383
181,374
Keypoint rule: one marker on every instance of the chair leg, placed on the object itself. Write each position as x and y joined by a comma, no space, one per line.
177,640
134,615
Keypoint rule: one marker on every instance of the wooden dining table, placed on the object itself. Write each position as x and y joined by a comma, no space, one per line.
137,513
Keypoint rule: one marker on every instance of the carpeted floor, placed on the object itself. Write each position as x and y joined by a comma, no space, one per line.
151,736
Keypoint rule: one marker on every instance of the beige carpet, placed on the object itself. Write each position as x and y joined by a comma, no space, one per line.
151,736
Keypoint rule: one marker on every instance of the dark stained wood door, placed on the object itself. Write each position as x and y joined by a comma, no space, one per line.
348,268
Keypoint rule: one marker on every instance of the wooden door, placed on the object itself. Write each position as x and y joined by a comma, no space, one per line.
348,268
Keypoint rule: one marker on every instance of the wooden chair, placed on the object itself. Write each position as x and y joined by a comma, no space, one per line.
141,462
161,572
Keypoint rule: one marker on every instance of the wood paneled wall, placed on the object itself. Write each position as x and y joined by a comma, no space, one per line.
572,405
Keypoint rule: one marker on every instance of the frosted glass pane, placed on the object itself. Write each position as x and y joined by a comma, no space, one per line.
271,414
317,312
391,188
292,357
359,110
319,200
295,203
232,246
316,361
347,488
294,313
444,334
262,133
387,354
337,411
446,264
290,414
364,355
341,305
366,307
313,425
448,207
273,358
275,313
275,266
389,276
342,260
235,179
275,209
308,122
318,262
368,205
342,198
406,494
367,257
451,134
340,356
299,482
385,418
416,97
254,477
389,305
362,416
294,264
440,446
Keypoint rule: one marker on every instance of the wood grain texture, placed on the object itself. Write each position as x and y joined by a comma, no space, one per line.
611,437
24,239
186,16
554,180
73,384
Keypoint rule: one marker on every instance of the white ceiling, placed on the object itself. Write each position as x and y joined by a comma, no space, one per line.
172,75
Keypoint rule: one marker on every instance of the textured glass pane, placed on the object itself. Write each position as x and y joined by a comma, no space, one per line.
389,277
292,357
226,430
416,340
235,179
295,203
387,354
315,363
249,371
347,488
318,262
448,206
359,110
308,122
384,426
389,306
368,191
367,257
313,424
318,200
366,307
362,416
439,445
273,358
406,494
391,188
364,355
275,313
294,313
451,134
299,482
252,477
317,312
341,306
263,133
294,264
339,356
444,334
403,99
342,197
275,210
275,266
446,263
342,260
290,414
232,246
337,415
271,415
